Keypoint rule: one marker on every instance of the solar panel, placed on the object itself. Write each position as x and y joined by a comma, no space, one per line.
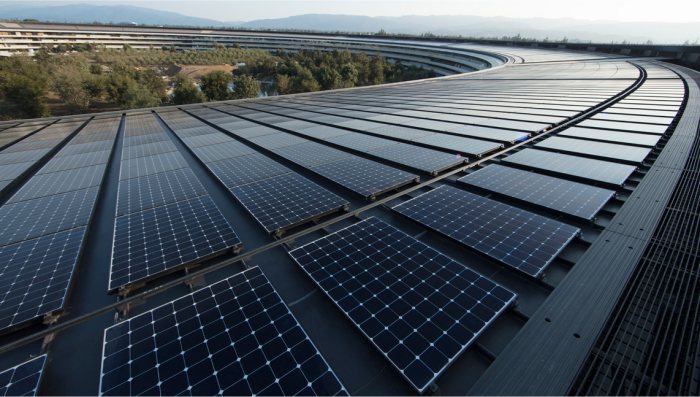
222,151
573,198
422,159
612,136
242,170
138,194
361,142
60,182
365,177
582,167
148,165
274,141
147,149
33,218
420,308
520,239
489,133
456,144
235,337
35,275
22,379
311,154
618,125
75,161
287,200
164,238
597,149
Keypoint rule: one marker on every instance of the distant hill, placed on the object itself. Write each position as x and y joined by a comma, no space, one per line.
465,25
88,13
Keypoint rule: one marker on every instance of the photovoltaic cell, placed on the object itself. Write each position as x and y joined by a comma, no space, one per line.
618,125
573,198
138,194
311,154
520,239
75,161
33,218
286,200
235,337
365,177
163,238
582,167
35,275
22,379
420,308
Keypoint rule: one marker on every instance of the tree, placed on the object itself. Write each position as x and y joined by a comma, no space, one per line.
23,88
245,87
283,84
376,71
215,85
349,74
185,91
328,77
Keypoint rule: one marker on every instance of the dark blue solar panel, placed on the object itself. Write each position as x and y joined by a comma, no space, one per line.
573,198
22,379
235,337
35,275
287,200
161,239
420,308
525,241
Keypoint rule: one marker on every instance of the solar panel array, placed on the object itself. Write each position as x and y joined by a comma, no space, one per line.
431,161
45,224
362,176
420,308
23,379
274,195
165,218
520,239
234,337
572,198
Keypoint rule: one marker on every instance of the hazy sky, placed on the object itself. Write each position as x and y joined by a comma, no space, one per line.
235,10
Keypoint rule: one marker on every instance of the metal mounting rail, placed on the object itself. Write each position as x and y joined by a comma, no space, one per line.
61,326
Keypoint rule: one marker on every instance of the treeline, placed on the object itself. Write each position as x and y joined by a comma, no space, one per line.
307,71
91,79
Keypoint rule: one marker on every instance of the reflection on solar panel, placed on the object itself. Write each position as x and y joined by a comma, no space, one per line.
365,177
420,308
612,136
138,194
166,237
597,149
582,167
287,200
148,165
246,169
35,275
422,159
23,379
573,198
59,182
235,337
33,218
525,241
310,154
222,151
617,125
456,144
